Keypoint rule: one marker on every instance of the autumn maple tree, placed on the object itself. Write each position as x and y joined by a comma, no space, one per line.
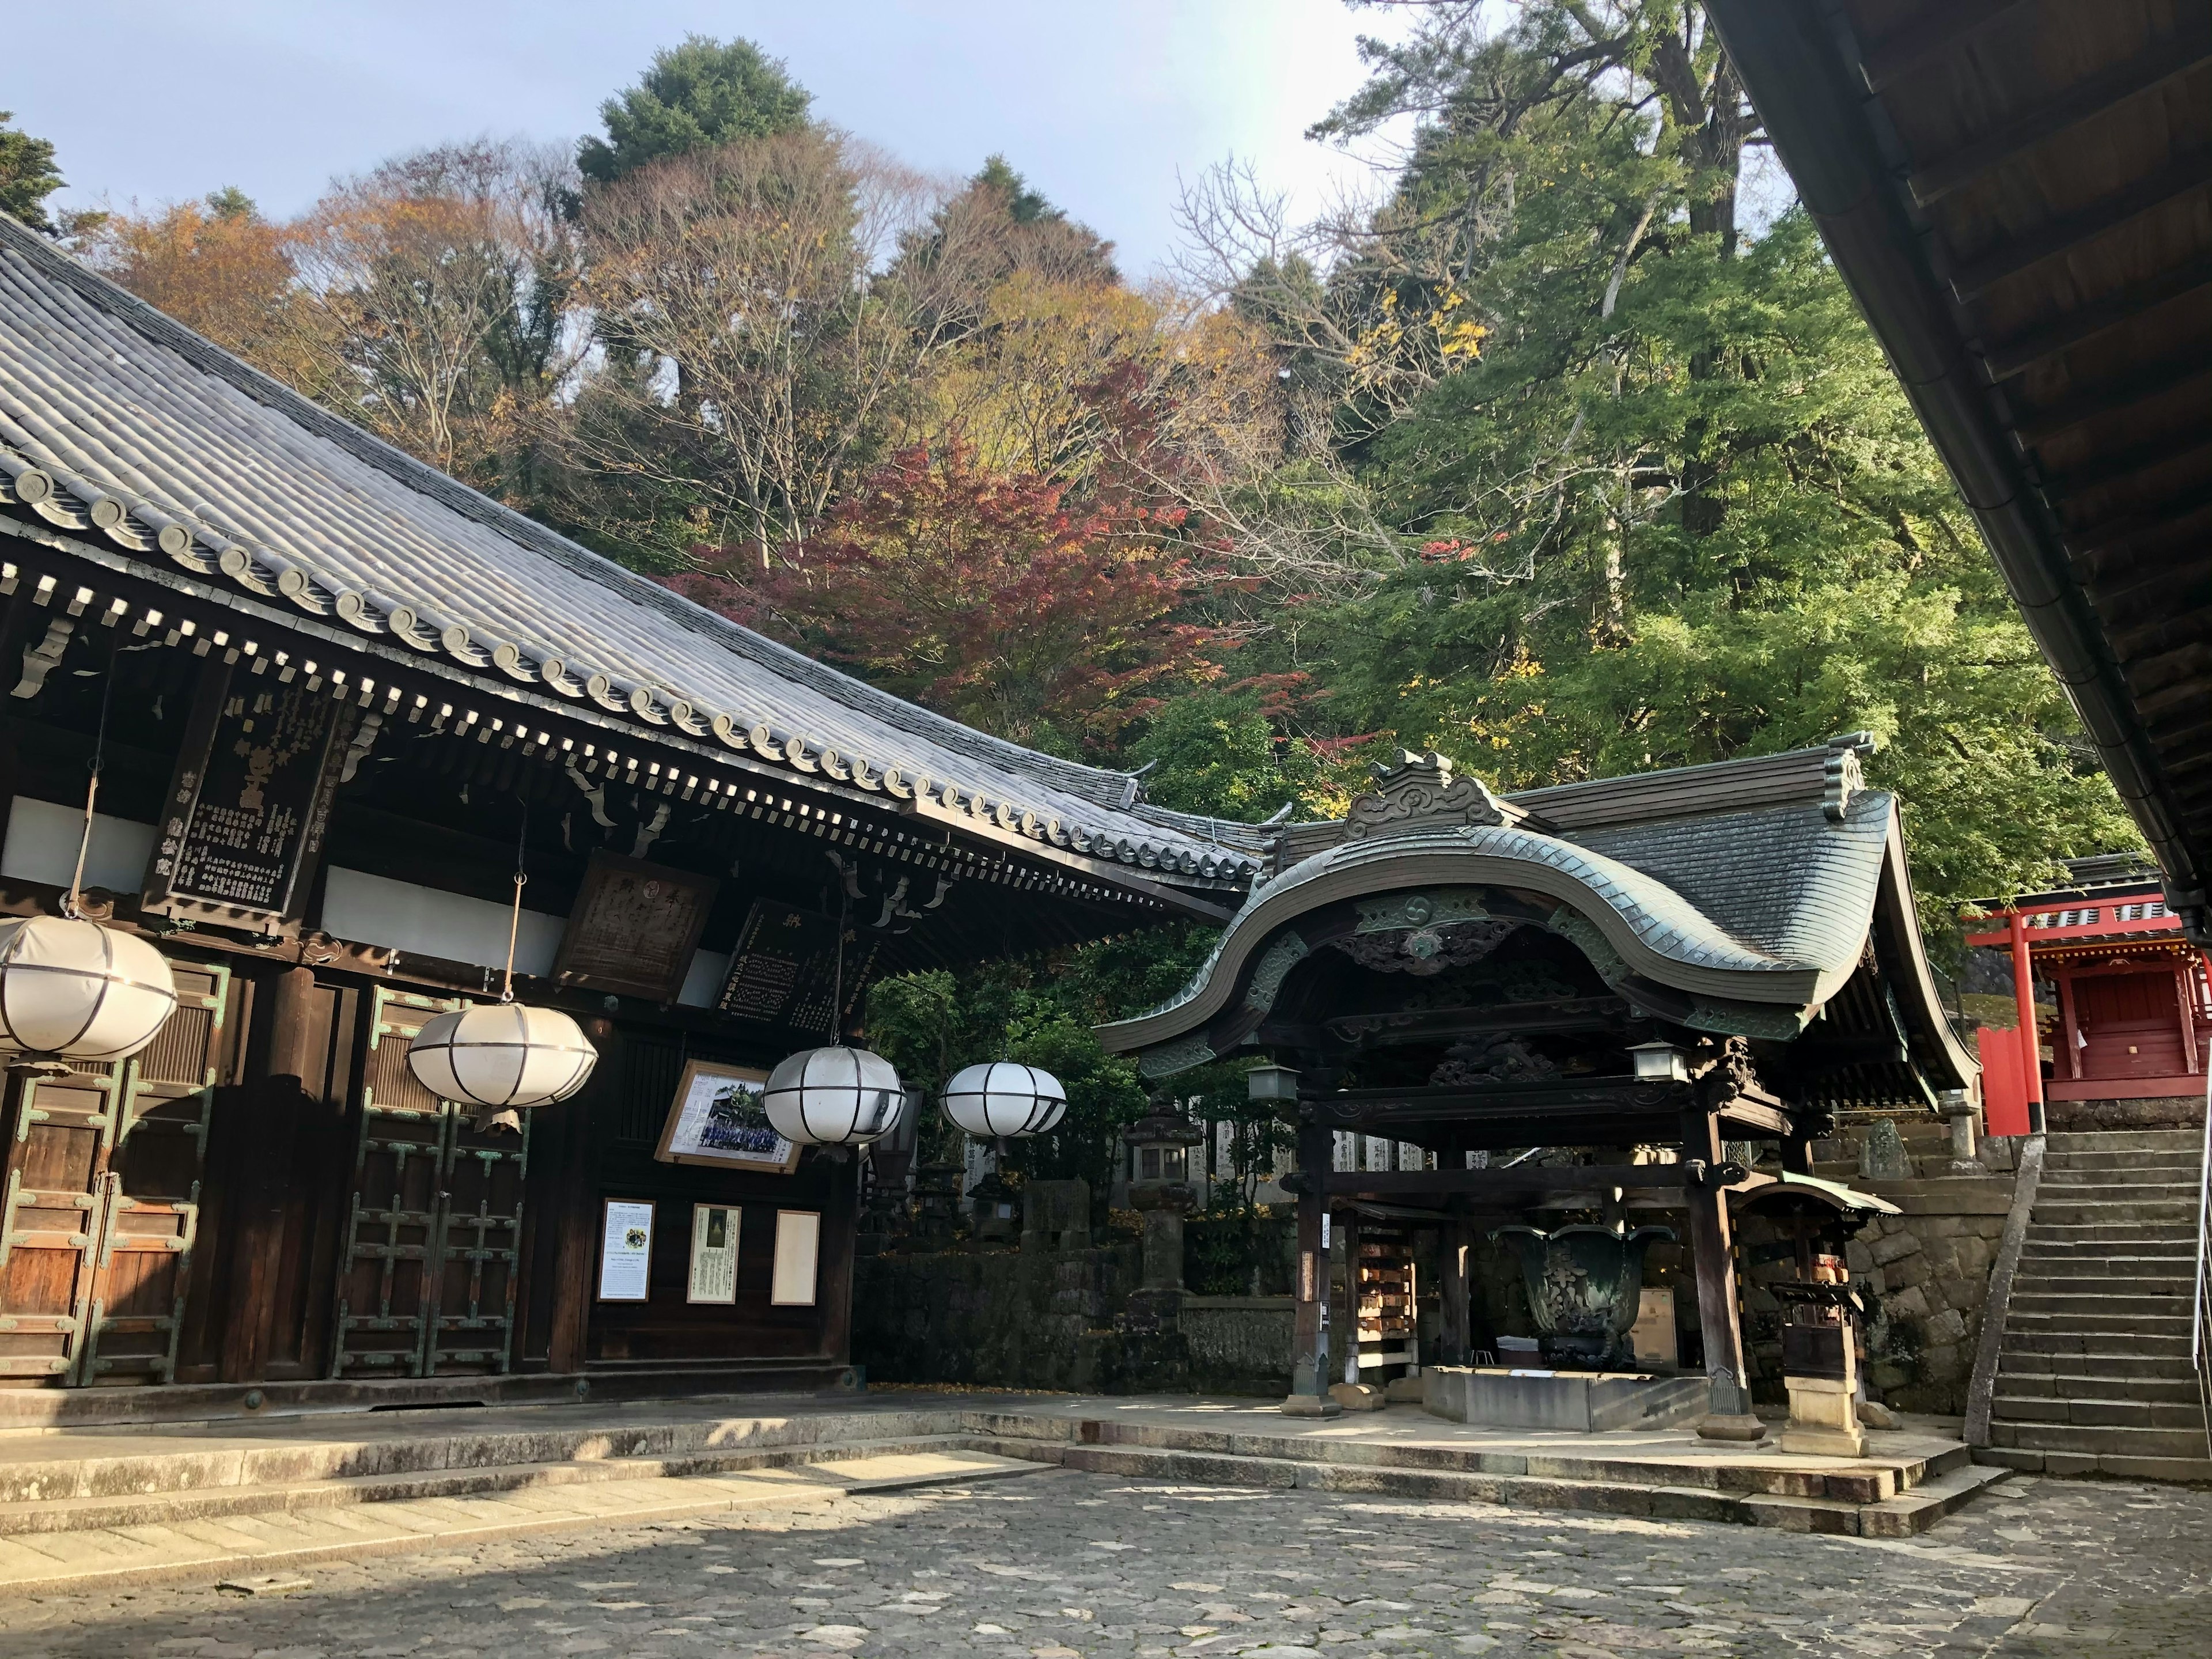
988,596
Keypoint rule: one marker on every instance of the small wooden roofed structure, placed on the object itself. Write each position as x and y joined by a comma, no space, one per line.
2019,193
403,690
1675,960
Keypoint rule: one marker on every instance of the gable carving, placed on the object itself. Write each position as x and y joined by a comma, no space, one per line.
1421,791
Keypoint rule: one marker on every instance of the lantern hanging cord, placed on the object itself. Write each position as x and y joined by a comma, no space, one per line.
75,907
837,978
514,922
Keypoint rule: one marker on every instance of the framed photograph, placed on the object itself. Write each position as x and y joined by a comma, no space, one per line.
716,1120
626,1251
635,927
713,1254
798,1251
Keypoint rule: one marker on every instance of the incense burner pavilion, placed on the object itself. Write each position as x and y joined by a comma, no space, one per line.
1640,989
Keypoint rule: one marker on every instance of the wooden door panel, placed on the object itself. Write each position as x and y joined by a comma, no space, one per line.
427,1276
50,1219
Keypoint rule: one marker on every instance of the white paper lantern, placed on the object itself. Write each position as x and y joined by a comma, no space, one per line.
503,1054
834,1097
1005,1098
74,990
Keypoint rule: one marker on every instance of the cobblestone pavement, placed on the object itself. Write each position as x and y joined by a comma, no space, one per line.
1067,1565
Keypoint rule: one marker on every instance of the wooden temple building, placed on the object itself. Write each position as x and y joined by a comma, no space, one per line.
2129,1014
337,700
1637,975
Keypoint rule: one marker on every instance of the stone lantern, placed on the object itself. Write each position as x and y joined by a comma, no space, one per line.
1160,1187
997,1218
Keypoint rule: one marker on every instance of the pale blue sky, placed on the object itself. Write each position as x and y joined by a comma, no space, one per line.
1099,102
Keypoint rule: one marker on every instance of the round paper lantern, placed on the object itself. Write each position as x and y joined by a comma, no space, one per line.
502,1053
834,1097
1004,1098
72,989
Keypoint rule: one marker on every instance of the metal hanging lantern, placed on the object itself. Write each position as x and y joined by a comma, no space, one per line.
72,989
1004,1098
834,1097
504,1055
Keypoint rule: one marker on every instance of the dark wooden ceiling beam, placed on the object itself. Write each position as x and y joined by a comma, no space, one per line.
2041,426
2107,543
2054,117
1946,25
2024,351
2185,175
2128,469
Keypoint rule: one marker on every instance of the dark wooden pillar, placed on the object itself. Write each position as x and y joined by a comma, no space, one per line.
1712,1252
576,1217
1455,1341
841,1216
1344,1355
276,1095
1308,1395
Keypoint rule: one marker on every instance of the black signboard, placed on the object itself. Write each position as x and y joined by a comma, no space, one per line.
784,971
249,802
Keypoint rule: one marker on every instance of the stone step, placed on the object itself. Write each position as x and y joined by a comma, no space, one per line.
2190,1161
1771,1474
2082,1279
2098,1185
2126,1141
2130,1367
2082,1321
1803,1511
2101,1440
2076,1381
168,1508
2085,1411
2038,1335
2133,1304
2062,1212
2192,1471
1901,1516
242,1544
2162,1236
116,1461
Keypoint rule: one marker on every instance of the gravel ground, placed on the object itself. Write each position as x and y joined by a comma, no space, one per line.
1065,1565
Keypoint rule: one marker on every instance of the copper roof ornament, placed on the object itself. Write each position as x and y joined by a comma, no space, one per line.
502,1056
69,989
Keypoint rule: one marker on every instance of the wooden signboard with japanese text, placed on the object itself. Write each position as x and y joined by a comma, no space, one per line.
635,927
243,825
784,970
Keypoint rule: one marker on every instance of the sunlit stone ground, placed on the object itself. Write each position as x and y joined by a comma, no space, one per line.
1061,1564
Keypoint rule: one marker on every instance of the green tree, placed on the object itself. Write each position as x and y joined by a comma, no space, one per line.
27,175
697,95
1671,506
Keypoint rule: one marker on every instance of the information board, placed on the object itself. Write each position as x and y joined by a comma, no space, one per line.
713,1254
249,801
798,1253
626,1252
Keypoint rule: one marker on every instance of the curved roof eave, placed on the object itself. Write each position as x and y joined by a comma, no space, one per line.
1658,932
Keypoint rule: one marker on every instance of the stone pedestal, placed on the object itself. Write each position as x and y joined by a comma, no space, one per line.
1580,1402
1824,1419
1310,1405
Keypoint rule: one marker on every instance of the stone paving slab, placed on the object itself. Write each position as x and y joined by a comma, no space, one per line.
212,1547
1073,1566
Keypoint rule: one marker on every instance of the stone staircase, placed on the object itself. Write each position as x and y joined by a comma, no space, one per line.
2094,1376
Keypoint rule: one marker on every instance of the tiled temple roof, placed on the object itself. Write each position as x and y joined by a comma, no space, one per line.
118,425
